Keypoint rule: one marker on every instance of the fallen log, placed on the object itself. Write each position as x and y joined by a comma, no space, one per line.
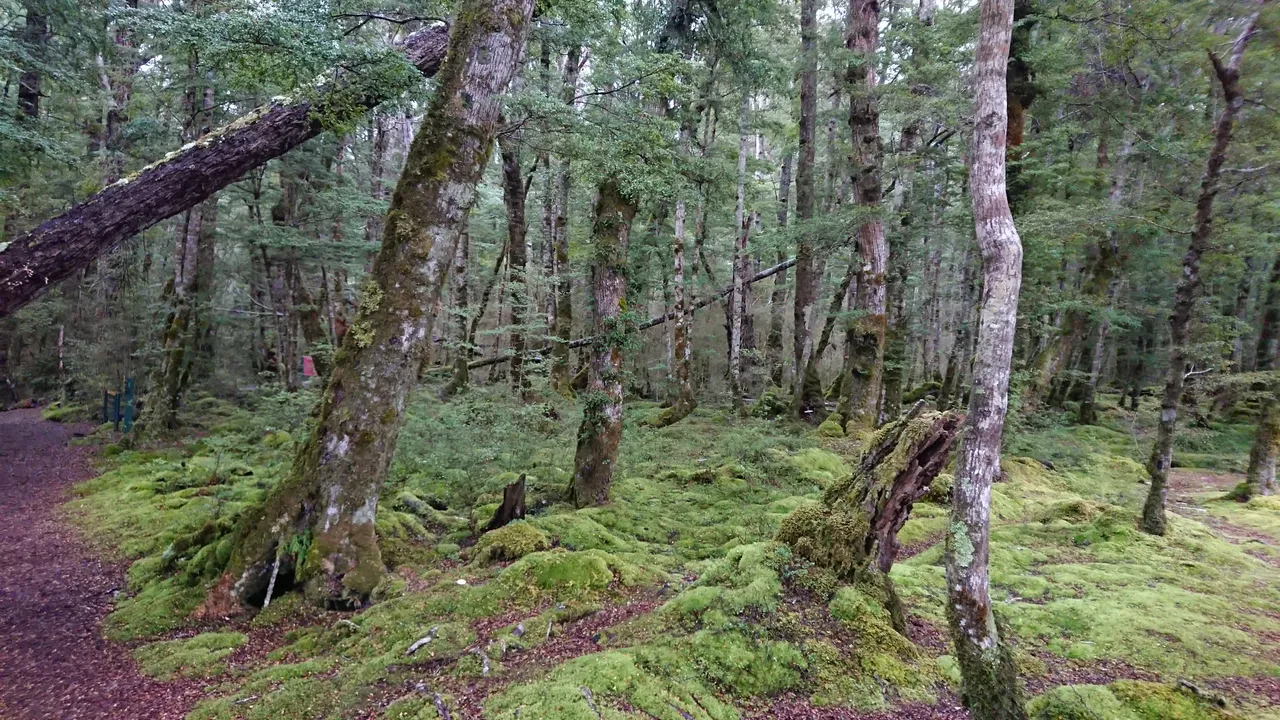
853,531
31,263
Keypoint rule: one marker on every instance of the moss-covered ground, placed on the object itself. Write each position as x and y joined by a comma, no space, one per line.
674,601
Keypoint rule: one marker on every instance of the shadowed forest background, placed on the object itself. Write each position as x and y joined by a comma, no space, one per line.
665,359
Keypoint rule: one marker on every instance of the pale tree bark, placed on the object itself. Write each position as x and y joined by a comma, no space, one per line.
330,499
601,429
807,389
738,301
864,355
32,262
778,299
1153,514
989,687
563,279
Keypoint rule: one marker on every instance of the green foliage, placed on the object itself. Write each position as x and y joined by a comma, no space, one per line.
511,542
1123,700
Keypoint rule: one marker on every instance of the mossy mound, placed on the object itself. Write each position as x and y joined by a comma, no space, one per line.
832,427
1124,700
940,490
511,542
61,413
201,656
774,402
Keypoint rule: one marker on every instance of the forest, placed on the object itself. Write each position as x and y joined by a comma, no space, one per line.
640,359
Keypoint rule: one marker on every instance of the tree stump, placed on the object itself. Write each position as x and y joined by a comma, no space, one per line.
512,507
853,531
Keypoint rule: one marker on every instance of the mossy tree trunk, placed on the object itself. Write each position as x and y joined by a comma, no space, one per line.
864,355
514,192
989,686
601,429
461,300
682,348
1228,76
807,390
1261,476
325,508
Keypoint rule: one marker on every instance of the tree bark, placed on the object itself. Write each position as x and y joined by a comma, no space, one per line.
738,300
682,349
1153,515
55,250
1261,476
513,197
460,297
864,355
989,686
807,392
778,299
601,429
329,500
1268,347
563,284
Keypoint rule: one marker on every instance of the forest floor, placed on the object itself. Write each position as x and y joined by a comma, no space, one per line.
55,591
673,602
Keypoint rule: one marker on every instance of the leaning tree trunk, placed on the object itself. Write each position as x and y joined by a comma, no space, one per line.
601,429
989,686
807,396
1153,519
55,250
864,357
327,504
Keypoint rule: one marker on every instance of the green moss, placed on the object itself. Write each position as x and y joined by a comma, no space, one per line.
511,542
158,608
1123,700
201,656
59,413
832,427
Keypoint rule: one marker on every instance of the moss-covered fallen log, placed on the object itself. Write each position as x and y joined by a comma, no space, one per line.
31,263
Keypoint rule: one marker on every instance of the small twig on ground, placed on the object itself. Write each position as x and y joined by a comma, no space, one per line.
417,645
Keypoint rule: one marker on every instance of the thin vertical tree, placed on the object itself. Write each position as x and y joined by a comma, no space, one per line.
807,386
1228,76
989,687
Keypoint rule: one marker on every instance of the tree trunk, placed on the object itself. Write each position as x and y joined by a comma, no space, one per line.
601,429
1261,476
778,299
989,686
864,366
738,300
56,249
461,303
1153,519
563,330
682,349
330,499
807,394
513,197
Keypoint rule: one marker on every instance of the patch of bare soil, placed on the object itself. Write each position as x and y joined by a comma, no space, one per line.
54,591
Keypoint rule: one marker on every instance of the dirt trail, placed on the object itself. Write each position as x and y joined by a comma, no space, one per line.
54,593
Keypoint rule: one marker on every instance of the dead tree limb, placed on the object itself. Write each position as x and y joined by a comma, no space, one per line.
31,263
651,322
